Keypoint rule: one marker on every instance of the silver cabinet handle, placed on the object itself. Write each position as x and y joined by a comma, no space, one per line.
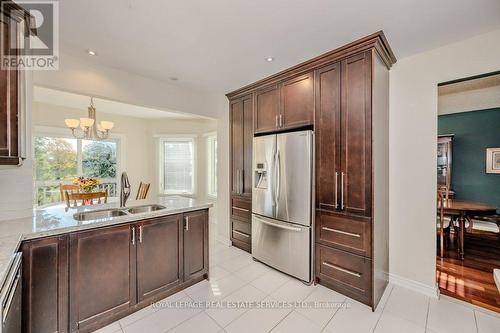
241,209
241,234
140,234
342,269
237,188
186,225
341,232
336,190
242,181
133,235
342,191
276,121
281,120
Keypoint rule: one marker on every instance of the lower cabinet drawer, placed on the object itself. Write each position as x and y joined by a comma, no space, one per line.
344,272
241,231
241,208
346,233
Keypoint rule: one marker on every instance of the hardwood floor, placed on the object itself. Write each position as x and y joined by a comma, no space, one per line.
471,279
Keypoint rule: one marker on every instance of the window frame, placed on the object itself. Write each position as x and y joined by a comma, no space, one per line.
211,141
161,167
57,132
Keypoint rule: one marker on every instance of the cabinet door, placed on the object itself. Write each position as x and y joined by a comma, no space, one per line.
102,275
195,244
247,146
45,285
328,137
236,114
356,134
267,109
9,129
159,263
297,101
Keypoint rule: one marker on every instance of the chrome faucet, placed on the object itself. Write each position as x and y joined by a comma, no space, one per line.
125,189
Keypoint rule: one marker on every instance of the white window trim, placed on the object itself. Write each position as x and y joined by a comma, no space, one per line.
209,137
161,138
60,132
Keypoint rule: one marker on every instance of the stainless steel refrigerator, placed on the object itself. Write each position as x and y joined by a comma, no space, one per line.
281,202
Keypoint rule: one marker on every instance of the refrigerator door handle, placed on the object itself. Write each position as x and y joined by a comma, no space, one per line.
278,180
278,225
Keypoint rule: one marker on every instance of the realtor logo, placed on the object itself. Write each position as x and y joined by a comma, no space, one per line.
32,35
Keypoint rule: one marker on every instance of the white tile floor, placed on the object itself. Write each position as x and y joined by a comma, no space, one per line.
235,277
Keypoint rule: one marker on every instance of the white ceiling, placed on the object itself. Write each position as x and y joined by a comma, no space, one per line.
220,45
81,102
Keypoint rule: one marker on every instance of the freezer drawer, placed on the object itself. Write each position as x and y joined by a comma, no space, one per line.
10,299
284,246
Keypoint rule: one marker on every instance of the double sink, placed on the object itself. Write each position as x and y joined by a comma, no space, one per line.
115,212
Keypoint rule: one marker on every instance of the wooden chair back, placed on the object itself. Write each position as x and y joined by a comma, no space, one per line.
142,192
86,199
443,195
63,188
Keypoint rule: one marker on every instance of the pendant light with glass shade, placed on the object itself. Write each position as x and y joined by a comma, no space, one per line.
88,128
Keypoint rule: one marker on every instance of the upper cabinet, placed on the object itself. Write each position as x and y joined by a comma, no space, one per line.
297,102
287,105
267,109
241,145
12,128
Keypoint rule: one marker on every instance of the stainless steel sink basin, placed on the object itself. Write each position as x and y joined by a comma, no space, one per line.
145,209
98,214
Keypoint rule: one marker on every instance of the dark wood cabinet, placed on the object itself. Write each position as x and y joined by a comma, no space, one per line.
297,102
45,285
356,136
444,160
159,259
102,275
267,109
84,280
241,146
195,244
344,96
12,129
328,137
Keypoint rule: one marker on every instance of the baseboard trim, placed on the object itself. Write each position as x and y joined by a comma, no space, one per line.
416,286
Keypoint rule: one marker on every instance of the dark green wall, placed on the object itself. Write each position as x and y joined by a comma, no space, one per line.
474,132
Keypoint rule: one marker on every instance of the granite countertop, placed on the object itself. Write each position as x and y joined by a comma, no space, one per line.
57,219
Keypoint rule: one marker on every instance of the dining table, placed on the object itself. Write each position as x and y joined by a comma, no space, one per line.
463,210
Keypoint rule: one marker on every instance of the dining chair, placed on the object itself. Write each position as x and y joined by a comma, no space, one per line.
443,222
86,198
487,223
68,188
142,192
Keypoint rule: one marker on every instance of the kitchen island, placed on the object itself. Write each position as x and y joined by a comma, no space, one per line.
83,270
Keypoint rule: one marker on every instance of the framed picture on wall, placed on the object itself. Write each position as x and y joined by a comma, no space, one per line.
492,160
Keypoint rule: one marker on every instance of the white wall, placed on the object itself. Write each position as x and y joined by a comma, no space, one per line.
469,100
413,130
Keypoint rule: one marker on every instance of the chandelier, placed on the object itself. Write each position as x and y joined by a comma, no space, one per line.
89,128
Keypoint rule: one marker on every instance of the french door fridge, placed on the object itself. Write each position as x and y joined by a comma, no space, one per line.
281,202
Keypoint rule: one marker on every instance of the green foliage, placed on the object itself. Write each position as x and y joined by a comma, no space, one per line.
55,159
99,159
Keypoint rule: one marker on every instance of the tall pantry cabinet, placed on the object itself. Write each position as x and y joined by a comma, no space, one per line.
343,96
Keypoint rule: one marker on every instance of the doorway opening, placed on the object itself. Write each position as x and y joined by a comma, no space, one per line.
468,190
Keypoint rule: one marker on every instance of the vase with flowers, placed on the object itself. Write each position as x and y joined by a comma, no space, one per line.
87,185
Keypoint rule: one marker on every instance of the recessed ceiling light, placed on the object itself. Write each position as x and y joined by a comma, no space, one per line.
269,59
173,78
92,53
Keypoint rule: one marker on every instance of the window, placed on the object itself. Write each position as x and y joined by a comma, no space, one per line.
177,165
59,159
212,165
